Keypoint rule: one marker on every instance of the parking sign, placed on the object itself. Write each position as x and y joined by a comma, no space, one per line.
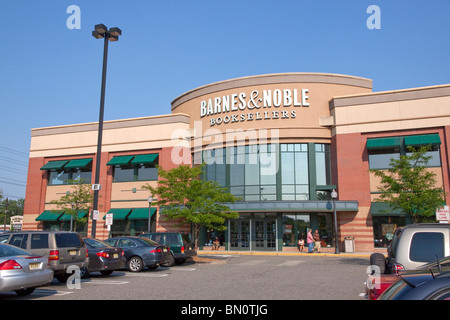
109,219
443,214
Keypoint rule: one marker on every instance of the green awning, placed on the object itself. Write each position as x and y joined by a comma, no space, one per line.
78,163
141,213
383,143
144,158
119,214
48,215
384,209
80,214
54,165
119,160
422,140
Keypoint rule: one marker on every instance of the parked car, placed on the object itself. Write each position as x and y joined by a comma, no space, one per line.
103,258
21,271
180,244
413,246
63,248
141,252
377,284
422,284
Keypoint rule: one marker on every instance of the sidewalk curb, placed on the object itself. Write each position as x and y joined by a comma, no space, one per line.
262,253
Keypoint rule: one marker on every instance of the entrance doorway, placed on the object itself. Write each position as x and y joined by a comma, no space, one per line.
265,234
254,232
240,234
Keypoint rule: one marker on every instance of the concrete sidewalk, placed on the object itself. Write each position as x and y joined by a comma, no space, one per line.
280,253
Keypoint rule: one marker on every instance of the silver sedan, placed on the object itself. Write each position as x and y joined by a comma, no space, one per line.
22,271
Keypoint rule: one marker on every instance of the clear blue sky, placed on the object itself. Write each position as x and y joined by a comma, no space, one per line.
51,75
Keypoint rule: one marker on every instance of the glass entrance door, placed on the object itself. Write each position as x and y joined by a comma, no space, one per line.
240,234
265,234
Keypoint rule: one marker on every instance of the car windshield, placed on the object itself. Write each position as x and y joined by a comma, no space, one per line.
7,250
96,243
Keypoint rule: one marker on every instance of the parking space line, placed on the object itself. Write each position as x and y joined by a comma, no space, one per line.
149,275
104,282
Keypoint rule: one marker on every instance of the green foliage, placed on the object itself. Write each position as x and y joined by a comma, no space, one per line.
409,186
80,198
183,196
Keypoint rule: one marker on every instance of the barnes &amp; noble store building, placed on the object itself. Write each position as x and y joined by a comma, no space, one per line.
281,142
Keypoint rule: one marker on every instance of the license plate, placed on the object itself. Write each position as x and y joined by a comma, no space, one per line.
34,266
164,249
115,255
72,253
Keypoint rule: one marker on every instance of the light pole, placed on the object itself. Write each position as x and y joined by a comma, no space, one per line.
334,196
150,200
101,31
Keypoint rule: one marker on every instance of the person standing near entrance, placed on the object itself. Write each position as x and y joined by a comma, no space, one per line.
310,241
316,237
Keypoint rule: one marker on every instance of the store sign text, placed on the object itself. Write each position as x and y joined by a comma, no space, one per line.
257,106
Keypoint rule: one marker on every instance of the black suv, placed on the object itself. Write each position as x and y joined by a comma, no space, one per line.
63,248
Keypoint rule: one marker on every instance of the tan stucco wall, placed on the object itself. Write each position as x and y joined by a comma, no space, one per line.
119,135
394,110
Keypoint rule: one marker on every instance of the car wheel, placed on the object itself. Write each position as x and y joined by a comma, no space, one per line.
62,277
378,259
84,273
180,261
25,292
169,263
135,264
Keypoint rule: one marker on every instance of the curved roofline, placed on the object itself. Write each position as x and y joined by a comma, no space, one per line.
272,78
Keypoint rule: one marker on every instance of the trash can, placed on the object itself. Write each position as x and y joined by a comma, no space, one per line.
349,242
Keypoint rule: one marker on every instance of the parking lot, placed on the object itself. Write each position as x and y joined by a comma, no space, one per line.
222,277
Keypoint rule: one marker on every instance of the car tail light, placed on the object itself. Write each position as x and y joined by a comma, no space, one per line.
54,255
103,254
157,250
396,267
87,254
182,249
10,265
122,254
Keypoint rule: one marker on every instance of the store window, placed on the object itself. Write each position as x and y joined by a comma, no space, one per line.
133,169
381,159
66,176
294,172
294,228
384,227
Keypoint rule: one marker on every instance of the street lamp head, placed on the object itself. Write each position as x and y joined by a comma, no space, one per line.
97,35
101,28
113,38
115,31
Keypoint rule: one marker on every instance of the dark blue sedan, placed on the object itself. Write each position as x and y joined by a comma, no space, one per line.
141,252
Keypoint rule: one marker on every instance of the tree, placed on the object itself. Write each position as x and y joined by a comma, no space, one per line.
409,186
9,208
79,199
183,196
